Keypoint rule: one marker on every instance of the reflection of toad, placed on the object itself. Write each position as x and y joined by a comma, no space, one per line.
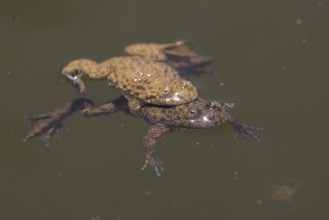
162,119
147,74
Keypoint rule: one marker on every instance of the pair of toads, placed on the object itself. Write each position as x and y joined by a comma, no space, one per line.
152,88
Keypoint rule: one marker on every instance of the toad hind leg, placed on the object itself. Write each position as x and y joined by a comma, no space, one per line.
160,52
176,54
149,141
48,125
106,108
192,66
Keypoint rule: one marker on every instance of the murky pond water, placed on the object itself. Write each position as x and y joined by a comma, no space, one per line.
271,60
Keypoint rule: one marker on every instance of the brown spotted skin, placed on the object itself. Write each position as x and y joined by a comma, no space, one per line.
149,82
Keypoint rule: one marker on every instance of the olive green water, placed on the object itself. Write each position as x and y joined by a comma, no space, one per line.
271,60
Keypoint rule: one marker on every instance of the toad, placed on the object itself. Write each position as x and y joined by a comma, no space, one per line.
148,74
162,119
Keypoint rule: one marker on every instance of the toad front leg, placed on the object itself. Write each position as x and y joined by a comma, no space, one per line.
243,131
76,69
149,141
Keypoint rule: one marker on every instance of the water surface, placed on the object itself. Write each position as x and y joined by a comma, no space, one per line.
271,60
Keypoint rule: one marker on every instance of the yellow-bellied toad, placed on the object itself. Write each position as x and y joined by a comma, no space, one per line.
196,114
140,75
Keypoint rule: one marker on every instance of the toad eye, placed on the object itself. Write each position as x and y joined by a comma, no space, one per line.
211,117
192,114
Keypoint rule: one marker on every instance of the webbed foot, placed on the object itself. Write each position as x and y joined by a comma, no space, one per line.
43,128
153,161
195,66
245,131
46,126
178,49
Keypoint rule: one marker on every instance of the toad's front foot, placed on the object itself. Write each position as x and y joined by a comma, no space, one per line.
245,131
153,161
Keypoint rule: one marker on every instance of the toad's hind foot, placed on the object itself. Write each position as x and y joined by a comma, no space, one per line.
46,126
245,131
178,49
153,161
43,128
